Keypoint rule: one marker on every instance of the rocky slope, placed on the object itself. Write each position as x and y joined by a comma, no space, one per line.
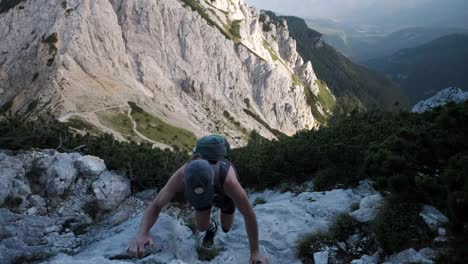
48,200
67,208
451,94
205,66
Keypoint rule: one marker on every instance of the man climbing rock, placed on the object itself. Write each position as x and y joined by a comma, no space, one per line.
208,179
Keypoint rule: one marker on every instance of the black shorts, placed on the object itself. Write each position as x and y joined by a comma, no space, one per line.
223,202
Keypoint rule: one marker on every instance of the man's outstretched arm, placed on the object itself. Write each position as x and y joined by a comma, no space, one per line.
234,190
175,184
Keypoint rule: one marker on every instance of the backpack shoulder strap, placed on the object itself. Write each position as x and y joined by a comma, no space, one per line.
221,169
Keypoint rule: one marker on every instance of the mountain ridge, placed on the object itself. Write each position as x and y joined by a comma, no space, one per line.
355,87
423,70
183,62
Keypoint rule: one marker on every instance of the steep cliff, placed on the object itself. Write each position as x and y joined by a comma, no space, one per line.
204,66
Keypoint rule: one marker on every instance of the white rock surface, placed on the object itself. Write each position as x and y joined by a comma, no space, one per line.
408,256
451,94
110,190
321,257
374,259
283,219
58,172
368,208
90,165
38,220
433,217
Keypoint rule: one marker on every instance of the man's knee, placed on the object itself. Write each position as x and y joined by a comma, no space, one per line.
203,220
226,222
203,226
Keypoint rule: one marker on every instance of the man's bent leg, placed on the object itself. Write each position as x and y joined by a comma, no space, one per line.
226,221
203,219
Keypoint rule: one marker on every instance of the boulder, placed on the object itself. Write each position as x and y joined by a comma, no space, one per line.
433,217
408,256
31,238
374,259
11,168
90,165
110,190
321,257
368,208
57,173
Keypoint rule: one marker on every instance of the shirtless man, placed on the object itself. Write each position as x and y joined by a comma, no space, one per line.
209,179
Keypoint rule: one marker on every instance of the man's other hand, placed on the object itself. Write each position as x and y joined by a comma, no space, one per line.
258,259
136,247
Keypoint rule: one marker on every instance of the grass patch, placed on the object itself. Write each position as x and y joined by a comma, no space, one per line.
235,29
297,81
80,124
119,122
273,54
340,230
324,96
275,132
259,200
311,243
12,202
158,130
312,101
6,107
237,124
226,31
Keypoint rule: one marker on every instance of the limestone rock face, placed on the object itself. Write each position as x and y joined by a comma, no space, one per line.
110,190
90,165
81,58
57,173
47,201
368,208
451,94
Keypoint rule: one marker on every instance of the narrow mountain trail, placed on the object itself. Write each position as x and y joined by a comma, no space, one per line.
67,116
129,115
134,128
283,219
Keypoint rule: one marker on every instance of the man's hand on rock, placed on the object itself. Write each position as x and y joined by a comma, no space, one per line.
136,247
258,259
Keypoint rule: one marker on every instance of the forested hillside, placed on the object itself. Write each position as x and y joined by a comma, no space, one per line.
424,70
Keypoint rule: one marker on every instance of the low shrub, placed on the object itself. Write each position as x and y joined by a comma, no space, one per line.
399,226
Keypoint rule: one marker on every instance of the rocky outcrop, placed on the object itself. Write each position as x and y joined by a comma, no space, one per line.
78,58
110,190
451,94
368,208
46,202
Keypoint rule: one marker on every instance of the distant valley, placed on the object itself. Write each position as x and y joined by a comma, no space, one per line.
365,42
424,70
355,87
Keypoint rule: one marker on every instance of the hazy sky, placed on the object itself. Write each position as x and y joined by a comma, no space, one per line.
401,12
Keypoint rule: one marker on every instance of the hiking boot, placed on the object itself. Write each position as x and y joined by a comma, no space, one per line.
208,240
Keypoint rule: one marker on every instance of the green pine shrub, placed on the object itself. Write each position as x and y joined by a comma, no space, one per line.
399,226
